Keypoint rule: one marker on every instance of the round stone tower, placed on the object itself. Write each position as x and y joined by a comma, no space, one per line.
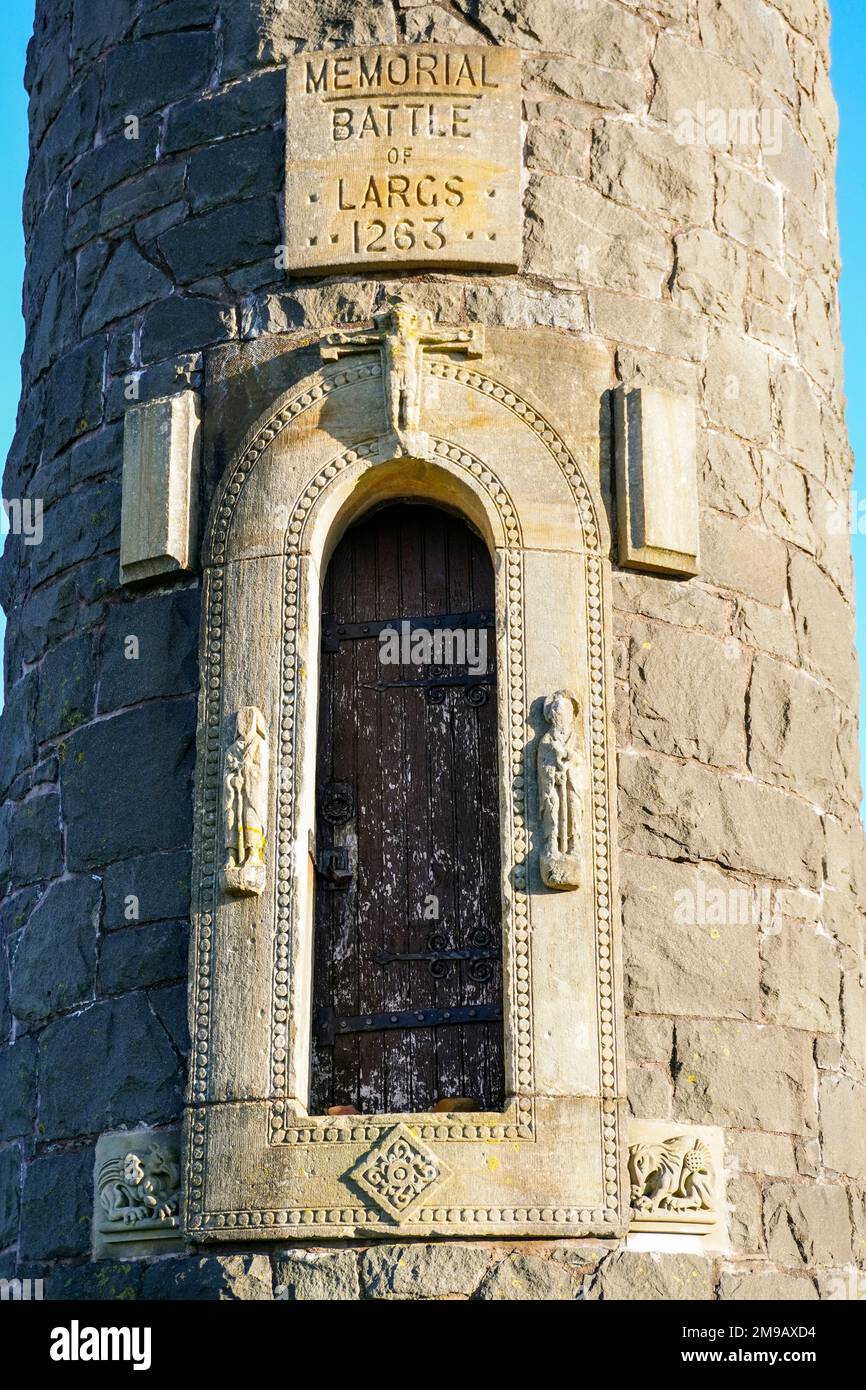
674,258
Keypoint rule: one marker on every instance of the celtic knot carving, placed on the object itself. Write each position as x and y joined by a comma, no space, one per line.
399,1172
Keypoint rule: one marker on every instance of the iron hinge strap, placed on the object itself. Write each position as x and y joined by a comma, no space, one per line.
333,633
329,1025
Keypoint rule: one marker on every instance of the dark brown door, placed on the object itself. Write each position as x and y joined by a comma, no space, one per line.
407,967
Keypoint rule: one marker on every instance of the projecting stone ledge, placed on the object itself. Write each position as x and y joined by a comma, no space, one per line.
159,521
656,481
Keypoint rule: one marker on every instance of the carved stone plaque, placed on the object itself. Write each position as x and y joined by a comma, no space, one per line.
403,158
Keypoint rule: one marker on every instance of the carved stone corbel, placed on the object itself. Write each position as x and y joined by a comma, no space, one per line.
559,798
245,800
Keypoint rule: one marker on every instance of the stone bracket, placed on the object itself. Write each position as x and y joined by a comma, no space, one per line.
655,451
159,512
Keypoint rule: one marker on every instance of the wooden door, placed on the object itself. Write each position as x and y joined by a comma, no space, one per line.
407,964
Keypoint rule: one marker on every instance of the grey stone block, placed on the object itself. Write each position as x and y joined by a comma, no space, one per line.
169,378
184,324
159,883
132,201
47,72
45,250
222,240
10,1194
76,528
56,326
113,161
16,730
249,105
165,629
97,26
150,228
67,681
54,966
6,812
37,851
72,132
235,169
75,394
142,956
15,911
629,1274
170,1006
56,1206
423,1271
127,784
18,1064
5,1011
108,1066
528,1278
142,76
175,14
316,1276
128,283
96,458
221,1278
107,1281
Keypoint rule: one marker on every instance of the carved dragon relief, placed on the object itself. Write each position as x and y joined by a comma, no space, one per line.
559,797
245,797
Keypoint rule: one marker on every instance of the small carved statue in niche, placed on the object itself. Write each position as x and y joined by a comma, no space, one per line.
245,796
559,800
675,1175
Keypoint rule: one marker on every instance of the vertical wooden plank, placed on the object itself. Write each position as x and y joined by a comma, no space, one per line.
372,855
419,1041
322,1058
393,980
343,768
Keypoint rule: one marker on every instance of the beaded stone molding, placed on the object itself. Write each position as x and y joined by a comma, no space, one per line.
386,1135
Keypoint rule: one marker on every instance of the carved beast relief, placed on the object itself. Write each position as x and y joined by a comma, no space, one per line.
137,1194
675,1179
675,1175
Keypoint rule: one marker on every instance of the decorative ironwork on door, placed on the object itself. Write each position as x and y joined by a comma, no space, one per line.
407,968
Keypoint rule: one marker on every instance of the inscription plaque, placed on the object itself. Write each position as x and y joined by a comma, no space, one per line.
403,157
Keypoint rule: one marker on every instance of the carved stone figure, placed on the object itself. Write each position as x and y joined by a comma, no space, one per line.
140,1188
245,788
673,1175
559,800
403,334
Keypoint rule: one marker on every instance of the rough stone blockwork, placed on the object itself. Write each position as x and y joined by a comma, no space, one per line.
707,264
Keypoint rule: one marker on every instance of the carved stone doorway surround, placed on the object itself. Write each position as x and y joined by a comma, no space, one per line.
526,476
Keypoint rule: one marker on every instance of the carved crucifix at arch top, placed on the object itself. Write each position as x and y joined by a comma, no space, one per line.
402,336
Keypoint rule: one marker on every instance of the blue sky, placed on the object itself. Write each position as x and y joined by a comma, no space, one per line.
849,53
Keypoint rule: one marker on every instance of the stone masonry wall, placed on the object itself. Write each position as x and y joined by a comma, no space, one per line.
709,267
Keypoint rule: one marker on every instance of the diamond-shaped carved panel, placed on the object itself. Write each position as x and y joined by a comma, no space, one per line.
400,1172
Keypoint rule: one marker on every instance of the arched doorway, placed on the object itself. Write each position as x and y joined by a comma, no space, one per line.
407,972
